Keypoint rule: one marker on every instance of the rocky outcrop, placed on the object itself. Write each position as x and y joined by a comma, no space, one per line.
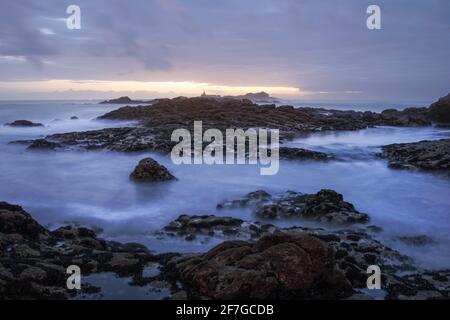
111,139
279,266
149,170
33,260
326,206
190,227
302,154
423,155
439,111
123,100
24,123
156,123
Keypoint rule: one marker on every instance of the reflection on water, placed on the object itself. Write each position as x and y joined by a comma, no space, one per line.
93,188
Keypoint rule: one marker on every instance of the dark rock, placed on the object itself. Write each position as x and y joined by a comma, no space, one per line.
24,123
74,118
326,206
122,100
33,260
43,144
440,110
149,170
423,155
420,240
210,225
277,266
302,154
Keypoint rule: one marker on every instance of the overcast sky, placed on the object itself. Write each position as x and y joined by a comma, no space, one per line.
307,48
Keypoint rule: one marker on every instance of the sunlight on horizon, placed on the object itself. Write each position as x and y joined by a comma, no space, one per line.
156,87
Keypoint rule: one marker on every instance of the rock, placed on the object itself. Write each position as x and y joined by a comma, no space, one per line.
302,154
427,285
278,266
421,240
440,110
214,226
24,123
14,220
326,206
122,100
423,155
33,260
148,170
156,122
43,144
74,118
111,139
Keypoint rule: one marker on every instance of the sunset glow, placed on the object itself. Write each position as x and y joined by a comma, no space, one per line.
152,87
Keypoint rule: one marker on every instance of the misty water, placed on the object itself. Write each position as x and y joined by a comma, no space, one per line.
93,188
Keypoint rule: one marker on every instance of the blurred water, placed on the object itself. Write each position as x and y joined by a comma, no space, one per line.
93,188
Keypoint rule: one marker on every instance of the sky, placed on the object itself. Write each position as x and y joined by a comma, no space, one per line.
304,49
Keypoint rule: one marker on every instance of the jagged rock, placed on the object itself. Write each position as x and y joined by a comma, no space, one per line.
24,123
43,144
276,266
423,155
428,285
440,110
209,225
325,206
149,170
33,260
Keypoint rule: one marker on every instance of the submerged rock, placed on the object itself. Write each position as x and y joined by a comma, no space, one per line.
279,266
24,123
423,155
190,227
420,240
302,154
44,144
325,206
149,170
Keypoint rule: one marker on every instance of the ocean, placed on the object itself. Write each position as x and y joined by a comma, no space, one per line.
93,188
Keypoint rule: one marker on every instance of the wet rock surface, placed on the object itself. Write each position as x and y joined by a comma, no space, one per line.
24,123
149,170
302,154
326,206
423,155
33,260
276,266
439,111
159,120
192,226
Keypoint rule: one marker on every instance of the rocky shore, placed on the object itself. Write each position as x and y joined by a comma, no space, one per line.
289,263
423,155
156,123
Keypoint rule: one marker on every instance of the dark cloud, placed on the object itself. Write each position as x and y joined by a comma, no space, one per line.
314,45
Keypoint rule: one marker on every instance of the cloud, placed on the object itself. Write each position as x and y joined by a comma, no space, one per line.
318,46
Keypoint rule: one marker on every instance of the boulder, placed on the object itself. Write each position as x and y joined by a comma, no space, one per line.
278,266
149,170
440,110
24,123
